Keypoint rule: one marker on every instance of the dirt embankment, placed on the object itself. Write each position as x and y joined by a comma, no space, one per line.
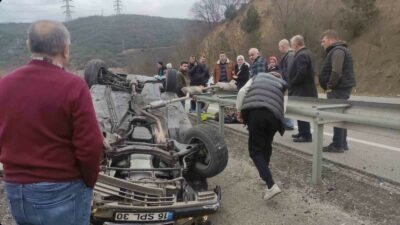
376,51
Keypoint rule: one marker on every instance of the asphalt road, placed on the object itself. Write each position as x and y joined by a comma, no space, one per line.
375,154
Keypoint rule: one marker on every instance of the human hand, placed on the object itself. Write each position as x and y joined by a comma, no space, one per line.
239,117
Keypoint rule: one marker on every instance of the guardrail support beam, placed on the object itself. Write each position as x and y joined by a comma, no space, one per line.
317,154
221,120
198,112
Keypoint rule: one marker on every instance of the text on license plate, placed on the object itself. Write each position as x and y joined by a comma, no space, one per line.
162,216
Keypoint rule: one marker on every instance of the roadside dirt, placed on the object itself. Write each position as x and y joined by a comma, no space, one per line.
5,216
343,198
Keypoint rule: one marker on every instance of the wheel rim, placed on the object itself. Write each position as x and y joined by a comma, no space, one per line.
203,155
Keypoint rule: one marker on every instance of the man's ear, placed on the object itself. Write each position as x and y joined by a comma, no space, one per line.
66,51
28,45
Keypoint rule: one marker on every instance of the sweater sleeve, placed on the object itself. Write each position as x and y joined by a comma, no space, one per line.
87,138
242,94
337,68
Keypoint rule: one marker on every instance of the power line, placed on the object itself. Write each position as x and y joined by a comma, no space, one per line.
118,7
68,12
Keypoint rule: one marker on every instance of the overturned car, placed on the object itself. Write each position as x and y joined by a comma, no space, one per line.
155,165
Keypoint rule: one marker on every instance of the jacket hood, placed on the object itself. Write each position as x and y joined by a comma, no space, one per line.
334,45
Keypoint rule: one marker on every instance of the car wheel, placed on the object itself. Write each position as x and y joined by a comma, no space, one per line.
212,157
93,71
171,81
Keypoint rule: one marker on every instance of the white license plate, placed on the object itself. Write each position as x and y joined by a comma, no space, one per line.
162,216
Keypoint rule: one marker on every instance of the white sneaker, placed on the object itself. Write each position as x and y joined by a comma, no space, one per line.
270,193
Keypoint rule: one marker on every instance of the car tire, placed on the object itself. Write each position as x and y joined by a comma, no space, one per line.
92,71
171,84
213,157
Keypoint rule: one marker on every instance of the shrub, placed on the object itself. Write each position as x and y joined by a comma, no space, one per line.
357,15
252,20
230,12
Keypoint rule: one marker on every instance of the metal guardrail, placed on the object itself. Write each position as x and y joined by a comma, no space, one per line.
357,115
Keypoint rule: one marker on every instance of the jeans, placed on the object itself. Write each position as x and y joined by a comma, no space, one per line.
304,129
339,139
262,126
67,203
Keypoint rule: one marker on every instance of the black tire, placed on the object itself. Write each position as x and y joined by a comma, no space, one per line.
213,158
171,82
92,71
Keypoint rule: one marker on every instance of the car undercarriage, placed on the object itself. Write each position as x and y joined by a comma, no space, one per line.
155,165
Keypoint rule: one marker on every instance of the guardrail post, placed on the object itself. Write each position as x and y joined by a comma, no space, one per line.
198,112
317,154
221,119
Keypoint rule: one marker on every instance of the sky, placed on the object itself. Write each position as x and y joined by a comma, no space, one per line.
31,10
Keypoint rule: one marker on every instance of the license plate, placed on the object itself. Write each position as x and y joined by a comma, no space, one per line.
162,216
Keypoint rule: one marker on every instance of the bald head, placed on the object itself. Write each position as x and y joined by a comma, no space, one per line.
297,42
48,38
253,54
284,46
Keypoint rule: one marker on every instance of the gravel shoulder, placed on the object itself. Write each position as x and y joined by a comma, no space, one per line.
344,197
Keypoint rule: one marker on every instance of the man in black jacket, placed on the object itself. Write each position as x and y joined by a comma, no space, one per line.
301,82
198,77
337,79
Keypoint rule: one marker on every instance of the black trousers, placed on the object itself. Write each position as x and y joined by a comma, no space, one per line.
304,129
339,134
262,126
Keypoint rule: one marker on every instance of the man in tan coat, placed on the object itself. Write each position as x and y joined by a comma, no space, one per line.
223,69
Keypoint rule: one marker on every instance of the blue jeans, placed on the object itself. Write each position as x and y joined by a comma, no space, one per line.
67,203
339,134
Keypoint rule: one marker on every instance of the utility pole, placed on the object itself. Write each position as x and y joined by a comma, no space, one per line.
68,12
118,7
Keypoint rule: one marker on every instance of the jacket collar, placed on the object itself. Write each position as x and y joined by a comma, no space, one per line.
227,61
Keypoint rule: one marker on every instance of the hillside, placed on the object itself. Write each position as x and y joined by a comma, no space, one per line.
98,37
376,52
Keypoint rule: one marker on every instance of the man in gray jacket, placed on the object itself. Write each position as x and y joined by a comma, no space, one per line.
337,79
260,104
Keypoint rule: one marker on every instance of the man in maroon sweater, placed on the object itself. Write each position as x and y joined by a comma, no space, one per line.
50,141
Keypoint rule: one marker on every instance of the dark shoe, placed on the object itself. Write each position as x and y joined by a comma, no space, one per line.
331,148
289,128
302,139
346,148
295,135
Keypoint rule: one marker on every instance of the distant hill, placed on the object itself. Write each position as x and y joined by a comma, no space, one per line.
98,37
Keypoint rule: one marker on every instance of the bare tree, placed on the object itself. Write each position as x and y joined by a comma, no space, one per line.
209,11
236,3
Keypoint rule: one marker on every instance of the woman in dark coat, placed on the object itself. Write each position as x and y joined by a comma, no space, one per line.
242,72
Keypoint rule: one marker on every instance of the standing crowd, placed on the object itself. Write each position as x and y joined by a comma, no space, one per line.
51,164
262,85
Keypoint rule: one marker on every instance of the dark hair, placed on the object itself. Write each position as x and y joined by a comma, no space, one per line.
331,34
161,63
184,62
51,42
222,52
